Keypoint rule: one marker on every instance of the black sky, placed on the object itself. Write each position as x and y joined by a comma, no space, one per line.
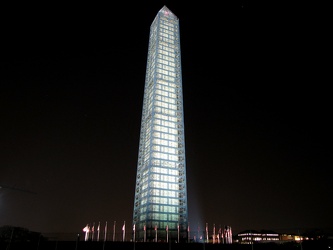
257,111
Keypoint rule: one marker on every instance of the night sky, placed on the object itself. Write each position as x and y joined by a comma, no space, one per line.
257,110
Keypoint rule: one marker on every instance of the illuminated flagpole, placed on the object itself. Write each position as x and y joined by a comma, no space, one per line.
124,232
105,230
229,235
226,235
207,232
98,229
167,233
145,233
114,231
86,230
93,232
155,233
134,233
219,235
178,232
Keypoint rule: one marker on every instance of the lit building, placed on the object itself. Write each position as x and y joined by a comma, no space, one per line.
292,237
253,236
160,204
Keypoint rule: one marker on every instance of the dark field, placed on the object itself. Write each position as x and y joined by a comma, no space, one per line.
72,245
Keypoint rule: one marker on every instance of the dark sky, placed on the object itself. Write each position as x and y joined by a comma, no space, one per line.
257,109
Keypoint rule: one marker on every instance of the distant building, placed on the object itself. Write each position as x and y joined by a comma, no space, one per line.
291,237
253,236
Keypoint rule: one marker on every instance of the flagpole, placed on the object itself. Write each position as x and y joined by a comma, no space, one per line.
114,231
105,233
134,237
178,232
167,233
188,233
86,230
98,229
93,232
145,233
207,232
106,230
230,235
155,233
124,232
134,233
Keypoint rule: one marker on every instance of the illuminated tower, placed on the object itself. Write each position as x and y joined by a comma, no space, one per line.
160,202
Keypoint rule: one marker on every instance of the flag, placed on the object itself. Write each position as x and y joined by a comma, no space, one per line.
144,228
166,228
98,226
86,228
134,227
123,228
155,227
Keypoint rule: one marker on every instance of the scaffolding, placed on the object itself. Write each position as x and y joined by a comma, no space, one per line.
160,203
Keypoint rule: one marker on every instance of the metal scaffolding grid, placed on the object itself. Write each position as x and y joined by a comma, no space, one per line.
160,204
